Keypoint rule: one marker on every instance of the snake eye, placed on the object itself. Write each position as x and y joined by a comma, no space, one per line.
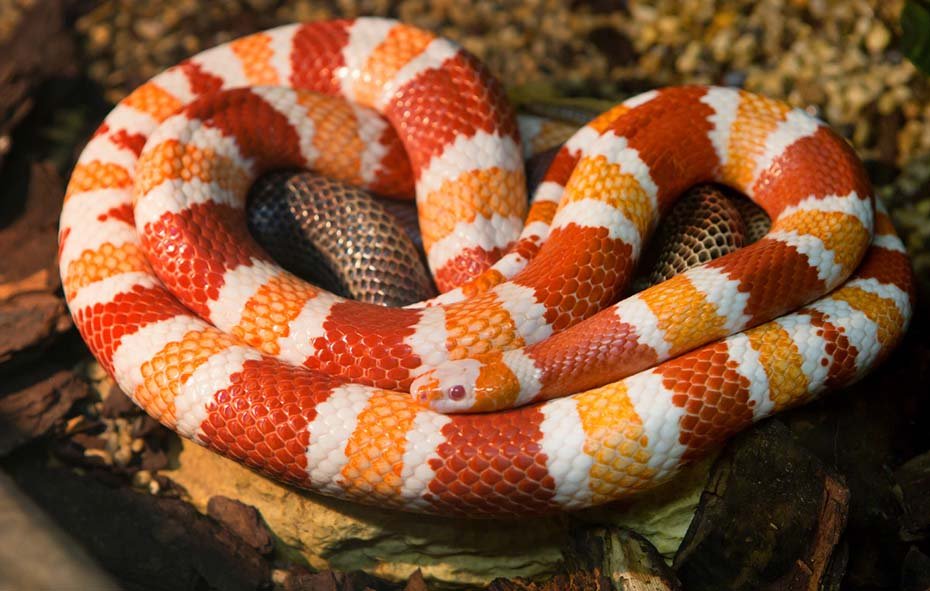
456,392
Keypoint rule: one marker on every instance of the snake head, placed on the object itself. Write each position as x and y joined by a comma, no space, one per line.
449,387
467,385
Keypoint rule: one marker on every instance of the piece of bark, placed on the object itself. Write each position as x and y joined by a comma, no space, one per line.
603,559
578,581
36,554
243,520
915,572
416,582
913,486
29,233
301,580
32,314
117,404
770,517
861,431
30,404
153,458
38,48
145,542
29,324
627,559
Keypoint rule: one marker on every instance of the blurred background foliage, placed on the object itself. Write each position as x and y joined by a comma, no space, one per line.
915,24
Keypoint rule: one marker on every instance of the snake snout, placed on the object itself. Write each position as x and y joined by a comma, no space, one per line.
449,387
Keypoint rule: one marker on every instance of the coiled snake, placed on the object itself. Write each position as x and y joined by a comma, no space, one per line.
210,336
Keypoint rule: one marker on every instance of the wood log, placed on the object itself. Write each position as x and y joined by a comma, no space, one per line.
913,488
861,432
626,558
301,579
771,517
915,572
605,559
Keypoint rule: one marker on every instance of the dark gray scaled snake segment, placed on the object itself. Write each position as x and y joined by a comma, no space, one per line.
360,246
340,237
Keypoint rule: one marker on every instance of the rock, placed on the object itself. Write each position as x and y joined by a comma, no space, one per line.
451,553
145,542
243,520
771,517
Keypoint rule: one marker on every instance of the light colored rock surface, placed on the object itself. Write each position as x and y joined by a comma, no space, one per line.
328,533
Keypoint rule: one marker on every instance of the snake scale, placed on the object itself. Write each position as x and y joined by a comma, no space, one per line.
215,340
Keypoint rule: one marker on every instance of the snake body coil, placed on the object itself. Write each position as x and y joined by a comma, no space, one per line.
312,389
340,235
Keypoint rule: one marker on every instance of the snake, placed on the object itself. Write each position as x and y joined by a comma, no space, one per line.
205,332
352,243
340,236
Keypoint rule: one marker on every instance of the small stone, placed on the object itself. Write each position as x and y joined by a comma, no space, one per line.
141,479
279,577
688,61
668,25
95,371
149,29
103,454
877,38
